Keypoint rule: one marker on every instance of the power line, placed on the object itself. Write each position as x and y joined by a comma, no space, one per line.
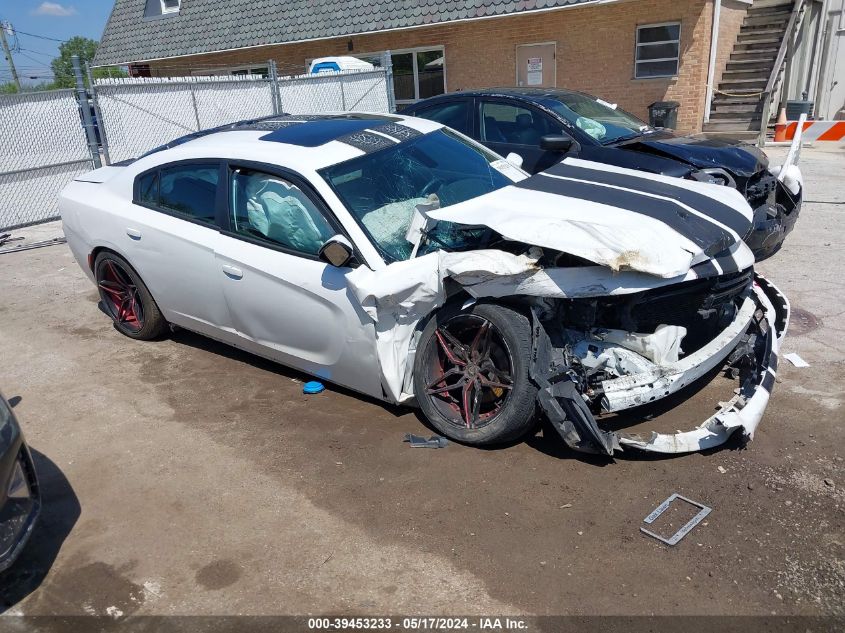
43,37
29,50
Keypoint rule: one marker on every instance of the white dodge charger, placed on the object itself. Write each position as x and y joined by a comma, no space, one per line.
400,259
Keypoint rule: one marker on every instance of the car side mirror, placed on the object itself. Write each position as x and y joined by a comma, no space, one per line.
514,159
555,143
337,251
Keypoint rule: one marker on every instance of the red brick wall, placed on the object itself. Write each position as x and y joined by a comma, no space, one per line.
730,21
595,52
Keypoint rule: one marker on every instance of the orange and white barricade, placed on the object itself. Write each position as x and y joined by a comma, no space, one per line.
817,131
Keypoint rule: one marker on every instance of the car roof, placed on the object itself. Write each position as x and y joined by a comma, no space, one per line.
309,140
525,94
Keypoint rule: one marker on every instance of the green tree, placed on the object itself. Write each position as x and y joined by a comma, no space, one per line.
8,88
63,66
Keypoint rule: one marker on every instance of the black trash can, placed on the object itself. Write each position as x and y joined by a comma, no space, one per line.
663,114
794,109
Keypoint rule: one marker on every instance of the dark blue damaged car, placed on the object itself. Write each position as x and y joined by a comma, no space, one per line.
544,125
20,499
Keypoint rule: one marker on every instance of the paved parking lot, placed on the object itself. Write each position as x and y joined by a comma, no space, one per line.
184,477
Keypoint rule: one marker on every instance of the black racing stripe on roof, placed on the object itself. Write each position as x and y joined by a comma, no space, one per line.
398,131
711,238
366,141
722,213
315,133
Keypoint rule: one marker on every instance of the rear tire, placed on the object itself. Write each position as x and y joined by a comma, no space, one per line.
126,299
471,375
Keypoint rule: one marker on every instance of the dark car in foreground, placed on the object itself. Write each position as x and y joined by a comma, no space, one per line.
20,500
545,125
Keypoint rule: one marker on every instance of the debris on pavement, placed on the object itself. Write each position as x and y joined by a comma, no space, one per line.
685,529
417,441
796,360
313,387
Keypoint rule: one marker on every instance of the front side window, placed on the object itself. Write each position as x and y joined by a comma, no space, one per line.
454,114
658,50
274,210
507,123
382,189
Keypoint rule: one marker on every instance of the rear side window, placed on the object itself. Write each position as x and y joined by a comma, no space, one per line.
188,190
454,114
148,188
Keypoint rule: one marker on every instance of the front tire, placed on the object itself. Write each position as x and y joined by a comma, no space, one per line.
471,375
126,299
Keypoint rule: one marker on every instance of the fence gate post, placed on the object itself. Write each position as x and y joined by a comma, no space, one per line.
194,104
101,125
87,123
275,95
387,64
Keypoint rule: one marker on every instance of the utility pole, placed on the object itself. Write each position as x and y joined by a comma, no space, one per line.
6,50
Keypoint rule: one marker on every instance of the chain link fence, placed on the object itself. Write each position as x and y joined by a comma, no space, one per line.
42,148
44,143
138,114
335,92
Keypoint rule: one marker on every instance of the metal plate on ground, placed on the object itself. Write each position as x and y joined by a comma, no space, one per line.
685,529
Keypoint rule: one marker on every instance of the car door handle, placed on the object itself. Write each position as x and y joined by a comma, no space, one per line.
231,271
135,234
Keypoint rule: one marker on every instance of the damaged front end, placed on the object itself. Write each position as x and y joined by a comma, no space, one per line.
598,363
776,202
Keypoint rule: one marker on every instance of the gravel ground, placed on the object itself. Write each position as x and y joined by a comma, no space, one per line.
184,477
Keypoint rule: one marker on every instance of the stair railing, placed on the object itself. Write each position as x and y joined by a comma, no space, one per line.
778,68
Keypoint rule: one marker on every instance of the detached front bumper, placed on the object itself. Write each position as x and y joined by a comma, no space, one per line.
749,345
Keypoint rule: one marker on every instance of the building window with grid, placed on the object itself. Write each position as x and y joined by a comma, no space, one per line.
658,50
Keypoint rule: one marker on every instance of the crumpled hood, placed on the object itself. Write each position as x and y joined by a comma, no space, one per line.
740,159
615,217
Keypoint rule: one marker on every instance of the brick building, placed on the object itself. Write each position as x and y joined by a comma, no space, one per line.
632,52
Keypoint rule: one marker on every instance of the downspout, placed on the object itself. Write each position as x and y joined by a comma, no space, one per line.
711,69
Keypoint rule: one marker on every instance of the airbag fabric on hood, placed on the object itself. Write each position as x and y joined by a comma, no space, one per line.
615,217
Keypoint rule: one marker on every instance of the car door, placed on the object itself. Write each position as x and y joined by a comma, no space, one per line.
286,303
171,235
506,126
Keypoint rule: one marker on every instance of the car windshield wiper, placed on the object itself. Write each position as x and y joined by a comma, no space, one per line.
626,137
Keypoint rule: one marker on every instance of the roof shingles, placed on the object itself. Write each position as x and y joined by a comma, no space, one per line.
205,26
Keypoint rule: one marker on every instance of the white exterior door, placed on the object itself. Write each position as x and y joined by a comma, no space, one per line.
536,65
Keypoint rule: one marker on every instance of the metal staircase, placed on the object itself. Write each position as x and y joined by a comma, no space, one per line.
753,74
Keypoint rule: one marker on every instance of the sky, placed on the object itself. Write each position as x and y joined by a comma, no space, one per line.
56,19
